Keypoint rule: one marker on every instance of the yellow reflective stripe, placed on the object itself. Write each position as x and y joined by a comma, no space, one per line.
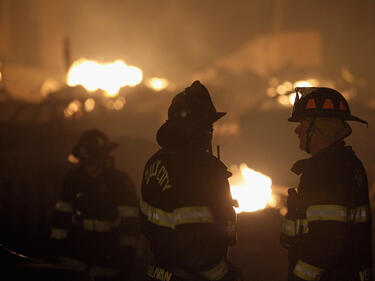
360,214
326,213
96,225
307,271
294,227
126,241
64,206
218,272
177,217
289,227
192,215
59,233
128,211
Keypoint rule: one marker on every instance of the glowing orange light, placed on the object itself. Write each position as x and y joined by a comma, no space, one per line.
283,89
89,105
157,84
109,77
251,189
73,108
119,103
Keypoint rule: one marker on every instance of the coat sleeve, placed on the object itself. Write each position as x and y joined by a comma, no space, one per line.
330,197
62,224
127,221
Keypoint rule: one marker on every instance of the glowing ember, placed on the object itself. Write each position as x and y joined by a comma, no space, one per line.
158,84
109,77
251,189
89,105
73,108
72,159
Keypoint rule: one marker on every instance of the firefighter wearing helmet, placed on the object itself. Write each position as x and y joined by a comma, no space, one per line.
96,222
186,207
327,229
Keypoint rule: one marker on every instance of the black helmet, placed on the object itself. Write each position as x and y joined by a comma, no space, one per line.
320,102
194,105
93,143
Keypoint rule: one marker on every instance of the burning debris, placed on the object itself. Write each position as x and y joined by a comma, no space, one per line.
109,77
251,189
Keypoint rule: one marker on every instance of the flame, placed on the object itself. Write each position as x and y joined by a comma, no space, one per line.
157,84
109,77
251,189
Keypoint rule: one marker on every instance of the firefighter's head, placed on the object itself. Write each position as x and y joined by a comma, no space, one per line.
322,114
93,149
190,118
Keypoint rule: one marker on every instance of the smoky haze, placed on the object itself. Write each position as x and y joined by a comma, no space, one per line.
241,50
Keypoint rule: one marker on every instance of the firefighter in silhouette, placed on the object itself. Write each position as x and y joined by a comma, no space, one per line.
186,208
96,223
327,229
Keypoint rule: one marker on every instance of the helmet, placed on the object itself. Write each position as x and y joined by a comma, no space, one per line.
194,105
93,143
320,102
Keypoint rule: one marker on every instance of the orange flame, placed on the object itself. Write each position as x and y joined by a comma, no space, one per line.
251,189
109,77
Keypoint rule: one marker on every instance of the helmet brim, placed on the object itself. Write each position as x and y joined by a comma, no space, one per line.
346,118
217,116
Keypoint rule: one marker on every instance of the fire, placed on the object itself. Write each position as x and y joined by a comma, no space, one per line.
157,84
283,91
251,189
109,77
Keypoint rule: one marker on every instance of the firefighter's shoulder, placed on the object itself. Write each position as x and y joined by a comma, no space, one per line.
211,162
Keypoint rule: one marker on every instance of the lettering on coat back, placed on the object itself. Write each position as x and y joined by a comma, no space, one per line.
157,170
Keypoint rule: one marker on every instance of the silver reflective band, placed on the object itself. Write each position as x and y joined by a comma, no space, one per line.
64,206
194,214
326,213
128,211
218,272
307,271
289,227
96,225
59,233
360,214
292,228
338,213
127,240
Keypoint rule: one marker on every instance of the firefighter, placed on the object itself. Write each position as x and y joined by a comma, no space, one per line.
96,223
327,228
186,205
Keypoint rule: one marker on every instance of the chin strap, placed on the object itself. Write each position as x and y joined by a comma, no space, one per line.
309,134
